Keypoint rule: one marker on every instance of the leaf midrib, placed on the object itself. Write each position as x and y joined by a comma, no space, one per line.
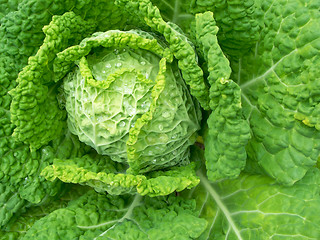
128,214
206,184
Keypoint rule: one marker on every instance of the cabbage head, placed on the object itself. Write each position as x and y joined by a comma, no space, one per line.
127,99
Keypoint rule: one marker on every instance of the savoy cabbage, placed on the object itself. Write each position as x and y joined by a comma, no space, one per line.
142,119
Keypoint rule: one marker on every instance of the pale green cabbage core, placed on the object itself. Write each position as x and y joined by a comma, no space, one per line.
102,117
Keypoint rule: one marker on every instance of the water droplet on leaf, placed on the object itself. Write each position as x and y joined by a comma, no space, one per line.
122,124
163,138
166,114
174,136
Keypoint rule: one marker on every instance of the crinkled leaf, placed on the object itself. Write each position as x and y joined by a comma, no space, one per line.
34,109
15,51
176,11
178,44
23,220
20,41
21,183
95,216
281,90
256,207
239,22
20,168
103,174
133,39
7,6
228,131
10,204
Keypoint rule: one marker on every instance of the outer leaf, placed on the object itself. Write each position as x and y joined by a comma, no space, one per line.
20,38
21,183
281,90
135,39
17,162
10,204
103,13
20,223
255,207
178,44
20,41
7,6
96,216
103,174
176,11
228,132
32,98
20,168
239,22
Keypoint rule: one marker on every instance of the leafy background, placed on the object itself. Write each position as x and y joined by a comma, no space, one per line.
273,51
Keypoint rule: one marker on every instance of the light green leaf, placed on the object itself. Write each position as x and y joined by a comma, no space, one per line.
21,185
19,167
103,174
10,204
280,87
240,23
178,44
176,11
95,216
35,125
25,217
256,207
35,93
228,131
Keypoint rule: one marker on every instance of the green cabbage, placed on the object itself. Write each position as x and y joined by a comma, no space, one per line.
128,101
144,119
